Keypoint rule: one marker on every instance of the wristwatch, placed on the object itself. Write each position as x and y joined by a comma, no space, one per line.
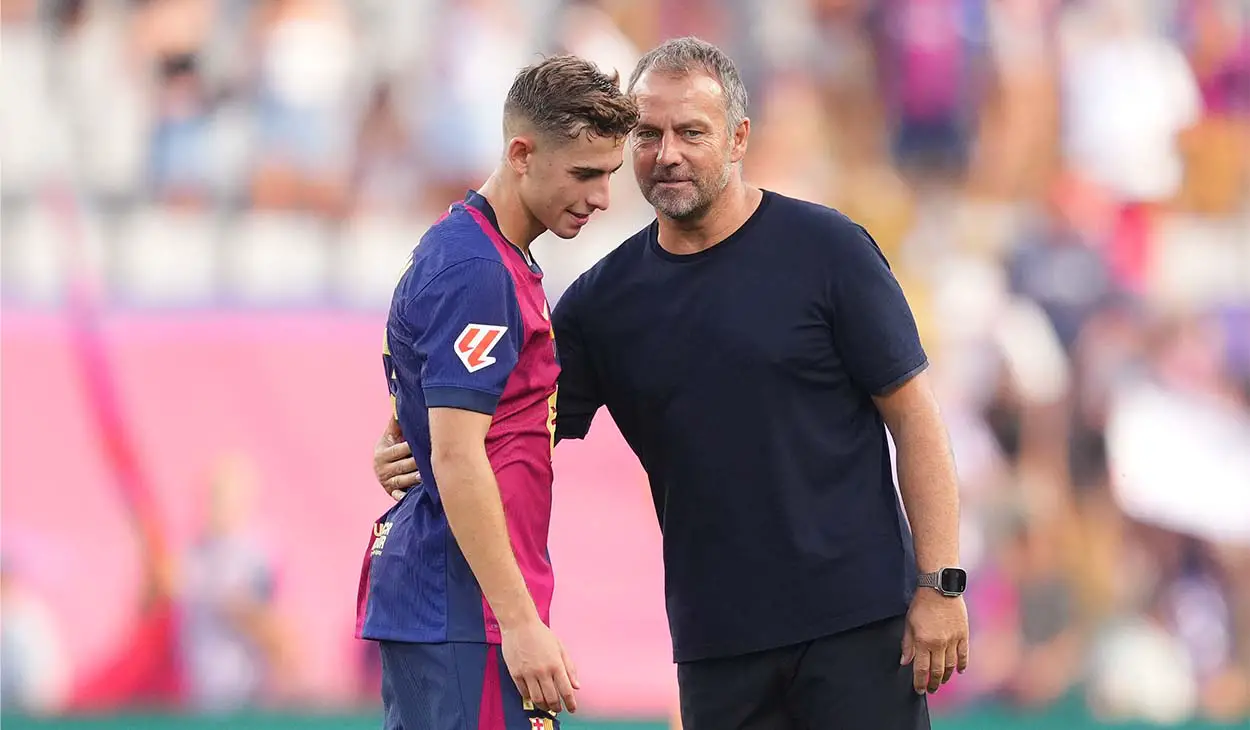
947,581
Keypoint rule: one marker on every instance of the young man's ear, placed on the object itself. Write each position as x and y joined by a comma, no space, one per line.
518,153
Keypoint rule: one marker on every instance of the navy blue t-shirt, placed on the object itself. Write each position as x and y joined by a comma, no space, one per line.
742,377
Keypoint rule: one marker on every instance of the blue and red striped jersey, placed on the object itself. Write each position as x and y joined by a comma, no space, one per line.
469,328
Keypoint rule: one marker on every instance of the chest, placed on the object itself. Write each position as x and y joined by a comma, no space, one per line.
716,326
537,366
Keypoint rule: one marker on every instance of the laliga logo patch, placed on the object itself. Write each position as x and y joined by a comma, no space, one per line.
474,344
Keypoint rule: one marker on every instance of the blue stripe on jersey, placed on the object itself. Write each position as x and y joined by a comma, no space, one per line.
407,579
472,400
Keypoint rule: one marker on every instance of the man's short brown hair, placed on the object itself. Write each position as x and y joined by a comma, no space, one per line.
565,96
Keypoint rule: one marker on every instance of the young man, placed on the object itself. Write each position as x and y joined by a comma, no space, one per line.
457,583
752,349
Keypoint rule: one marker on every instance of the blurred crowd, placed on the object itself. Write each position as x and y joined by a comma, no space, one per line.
1062,186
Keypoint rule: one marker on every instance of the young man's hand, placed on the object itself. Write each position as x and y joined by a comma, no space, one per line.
541,668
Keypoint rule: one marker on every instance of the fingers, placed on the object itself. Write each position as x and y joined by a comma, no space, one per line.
937,669
392,453
551,690
406,480
398,486
951,662
920,672
571,668
531,691
550,697
962,652
909,646
394,469
566,681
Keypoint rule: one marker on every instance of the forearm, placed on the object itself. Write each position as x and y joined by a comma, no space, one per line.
470,497
930,489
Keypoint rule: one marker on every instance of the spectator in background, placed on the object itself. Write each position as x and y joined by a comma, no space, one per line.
1215,35
460,134
101,96
385,175
1022,114
180,146
34,676
932,70
303,66
1059,264
586,29
1128,93
232,647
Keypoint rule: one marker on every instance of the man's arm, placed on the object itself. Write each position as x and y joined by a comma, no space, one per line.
935,641
578,401
580,396
926,471
470,496
876,336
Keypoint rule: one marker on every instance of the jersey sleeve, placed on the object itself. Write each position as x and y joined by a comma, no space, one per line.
580,397
874,330
467,334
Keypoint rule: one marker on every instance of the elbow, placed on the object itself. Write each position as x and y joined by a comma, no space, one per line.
450,459
443,462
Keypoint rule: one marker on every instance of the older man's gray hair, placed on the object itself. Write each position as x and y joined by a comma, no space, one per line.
689,54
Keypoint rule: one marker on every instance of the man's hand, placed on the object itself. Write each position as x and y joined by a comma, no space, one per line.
393,464
541,668
935,641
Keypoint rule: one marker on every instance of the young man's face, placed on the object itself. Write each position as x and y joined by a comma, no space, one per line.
565,181
683,150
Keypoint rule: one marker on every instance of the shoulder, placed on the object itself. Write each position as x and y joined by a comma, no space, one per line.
820,232
806,217
453,253
618,265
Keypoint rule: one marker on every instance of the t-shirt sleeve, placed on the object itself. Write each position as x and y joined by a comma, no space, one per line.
579,396
874,330
467,335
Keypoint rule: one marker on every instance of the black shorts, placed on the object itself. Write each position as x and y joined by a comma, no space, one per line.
848,681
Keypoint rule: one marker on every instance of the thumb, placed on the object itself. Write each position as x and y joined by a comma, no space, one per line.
909,646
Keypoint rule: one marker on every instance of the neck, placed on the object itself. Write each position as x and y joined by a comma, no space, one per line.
736,203
515,221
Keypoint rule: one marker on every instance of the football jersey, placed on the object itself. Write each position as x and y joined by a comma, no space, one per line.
469,328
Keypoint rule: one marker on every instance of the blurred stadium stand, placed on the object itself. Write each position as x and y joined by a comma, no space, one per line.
204,205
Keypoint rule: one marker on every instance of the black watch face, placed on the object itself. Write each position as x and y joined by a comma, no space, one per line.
953,580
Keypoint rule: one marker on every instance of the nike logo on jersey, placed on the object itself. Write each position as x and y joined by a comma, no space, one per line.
474,344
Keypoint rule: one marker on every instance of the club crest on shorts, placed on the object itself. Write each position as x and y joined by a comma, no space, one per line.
539,719
474,344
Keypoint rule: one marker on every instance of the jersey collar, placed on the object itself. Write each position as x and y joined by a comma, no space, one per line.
476,200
